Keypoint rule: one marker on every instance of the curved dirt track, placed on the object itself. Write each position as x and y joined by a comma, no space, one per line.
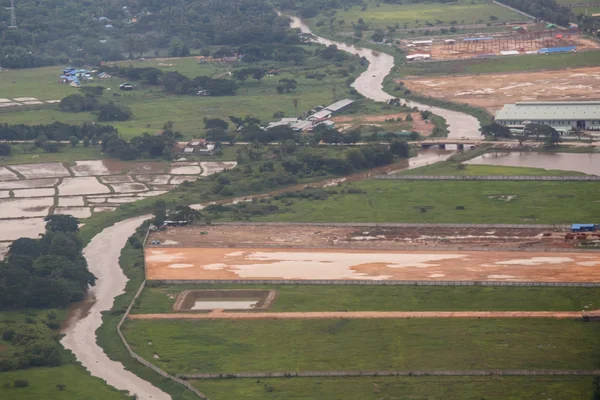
370,85
219,314
102,255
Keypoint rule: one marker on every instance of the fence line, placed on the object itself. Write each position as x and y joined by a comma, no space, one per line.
310,374
489,178
369,282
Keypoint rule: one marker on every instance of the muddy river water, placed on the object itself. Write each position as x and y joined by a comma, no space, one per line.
370,85
586,163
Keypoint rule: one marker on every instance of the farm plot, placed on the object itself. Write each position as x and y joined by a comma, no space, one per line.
492,91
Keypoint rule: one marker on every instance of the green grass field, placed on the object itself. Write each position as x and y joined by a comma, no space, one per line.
381,15
320,345
43,381
398,388
152,108
25,153
502,64
299,298
451,168
436,201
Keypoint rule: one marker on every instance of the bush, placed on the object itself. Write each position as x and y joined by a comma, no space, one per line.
20,383
8,334
77,103
111,112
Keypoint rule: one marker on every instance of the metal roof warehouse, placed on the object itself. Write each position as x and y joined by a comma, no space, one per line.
562,115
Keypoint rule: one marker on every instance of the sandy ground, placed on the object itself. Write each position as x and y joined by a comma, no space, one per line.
220,314
11,229
45,170
102,255
81,185
439,51
25,208
6,175
354,264
350,121
212,167
492,91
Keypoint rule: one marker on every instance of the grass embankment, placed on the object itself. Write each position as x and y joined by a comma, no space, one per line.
152,108
300,298
321,345
447,388
523,63
452,168
436,202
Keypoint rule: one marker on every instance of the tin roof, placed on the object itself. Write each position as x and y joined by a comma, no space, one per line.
560,110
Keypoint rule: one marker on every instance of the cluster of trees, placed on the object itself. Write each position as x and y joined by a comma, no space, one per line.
90,101
144,146
49,272
547,10
65,31
55,131
35,344
531,131
176,83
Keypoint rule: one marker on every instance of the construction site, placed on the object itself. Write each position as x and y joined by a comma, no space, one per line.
298,252
516,40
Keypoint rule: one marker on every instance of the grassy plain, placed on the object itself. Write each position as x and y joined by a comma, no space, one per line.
319,345
436,201
380,15
400,388
291,298
451,168
152,108
43,381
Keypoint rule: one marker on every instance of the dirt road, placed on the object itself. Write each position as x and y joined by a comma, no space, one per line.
102,255
219,314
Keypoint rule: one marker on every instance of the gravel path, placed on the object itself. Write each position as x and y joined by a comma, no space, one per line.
102,255
220,314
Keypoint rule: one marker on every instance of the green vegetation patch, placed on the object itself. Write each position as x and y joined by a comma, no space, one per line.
437,201
67,382
452,168
447,388
299,298
321,345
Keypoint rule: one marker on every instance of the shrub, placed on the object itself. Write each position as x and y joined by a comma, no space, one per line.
20,383
111,112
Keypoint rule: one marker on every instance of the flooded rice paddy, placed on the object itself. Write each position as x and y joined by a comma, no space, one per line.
29,192
586,163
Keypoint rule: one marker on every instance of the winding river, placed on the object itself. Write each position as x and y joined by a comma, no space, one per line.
103,252
370,85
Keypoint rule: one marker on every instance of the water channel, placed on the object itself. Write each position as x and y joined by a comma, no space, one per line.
586,163
370,85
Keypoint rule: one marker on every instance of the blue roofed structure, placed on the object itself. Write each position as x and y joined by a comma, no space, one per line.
583,227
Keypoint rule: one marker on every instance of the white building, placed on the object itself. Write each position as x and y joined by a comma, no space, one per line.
561,115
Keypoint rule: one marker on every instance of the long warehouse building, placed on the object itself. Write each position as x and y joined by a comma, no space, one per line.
561,115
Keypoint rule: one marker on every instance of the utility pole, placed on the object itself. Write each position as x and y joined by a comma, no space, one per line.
13,17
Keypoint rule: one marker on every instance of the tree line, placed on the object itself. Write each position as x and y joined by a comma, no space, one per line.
75,32
547,10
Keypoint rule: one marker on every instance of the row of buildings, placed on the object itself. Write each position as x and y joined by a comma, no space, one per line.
564,116
317,116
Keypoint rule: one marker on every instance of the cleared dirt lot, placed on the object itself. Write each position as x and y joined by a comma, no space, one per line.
492,91
309,252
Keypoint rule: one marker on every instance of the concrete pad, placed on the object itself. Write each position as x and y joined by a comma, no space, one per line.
42,170
25,208
7,175
116,179
90,168
129,187
28,184
81,185
77,212
18,228
75,201
44,192
178,180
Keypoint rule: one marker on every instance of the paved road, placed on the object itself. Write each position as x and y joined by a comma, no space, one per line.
102,255
220,314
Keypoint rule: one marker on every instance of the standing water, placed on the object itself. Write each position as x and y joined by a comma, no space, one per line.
586,163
